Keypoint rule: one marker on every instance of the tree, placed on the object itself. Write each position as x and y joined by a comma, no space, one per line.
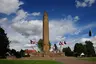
90,48
79,48
40,44
4,43
18,55
67,51
22,53
13,52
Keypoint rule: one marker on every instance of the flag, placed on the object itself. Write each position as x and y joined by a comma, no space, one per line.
55,46
64,42
32,42
60,43
90,33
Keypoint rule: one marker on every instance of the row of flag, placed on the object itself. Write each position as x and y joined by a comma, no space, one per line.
62,43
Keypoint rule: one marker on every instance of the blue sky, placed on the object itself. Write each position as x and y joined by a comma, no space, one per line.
69,20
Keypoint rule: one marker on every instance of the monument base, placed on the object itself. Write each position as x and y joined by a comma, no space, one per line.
51,54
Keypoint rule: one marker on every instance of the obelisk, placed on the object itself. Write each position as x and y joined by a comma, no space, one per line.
45,33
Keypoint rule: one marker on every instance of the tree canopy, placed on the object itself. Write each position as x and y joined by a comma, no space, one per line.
40,44
67,51
79,48
87,48
4,43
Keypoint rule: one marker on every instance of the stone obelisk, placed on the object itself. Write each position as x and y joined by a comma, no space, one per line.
45,33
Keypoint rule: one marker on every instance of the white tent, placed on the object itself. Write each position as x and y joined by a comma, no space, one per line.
82,54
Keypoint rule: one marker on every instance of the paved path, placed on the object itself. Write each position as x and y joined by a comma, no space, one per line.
65,60
73,60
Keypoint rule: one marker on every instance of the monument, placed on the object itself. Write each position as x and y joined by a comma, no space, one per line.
46,52
45,33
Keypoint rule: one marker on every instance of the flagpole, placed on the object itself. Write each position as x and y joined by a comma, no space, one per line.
60,48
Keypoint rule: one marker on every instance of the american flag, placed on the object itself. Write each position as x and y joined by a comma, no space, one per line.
62,43
32,42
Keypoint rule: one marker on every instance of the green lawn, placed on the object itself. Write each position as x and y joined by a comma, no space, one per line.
28,62
89,58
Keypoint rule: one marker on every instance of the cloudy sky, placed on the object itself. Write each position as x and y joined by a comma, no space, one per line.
69,20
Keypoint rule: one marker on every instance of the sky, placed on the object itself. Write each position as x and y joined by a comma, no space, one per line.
69,20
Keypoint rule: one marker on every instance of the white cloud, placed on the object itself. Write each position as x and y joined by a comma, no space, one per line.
36,14
20,31
27,28
85,3
76,18
85,39
8,7
3,20
20,15
60,38
84,27
34,28
60,29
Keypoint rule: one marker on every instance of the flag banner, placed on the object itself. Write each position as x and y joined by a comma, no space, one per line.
90,33
32,42
64,42
61,43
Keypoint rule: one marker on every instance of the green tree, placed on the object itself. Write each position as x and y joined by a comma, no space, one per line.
13,52
90,48
79,48
4,43
67,51
22,53
18,55
40,44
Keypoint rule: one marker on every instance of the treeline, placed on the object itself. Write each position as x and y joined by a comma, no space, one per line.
87,48
4,47
17,54
79,48
4,43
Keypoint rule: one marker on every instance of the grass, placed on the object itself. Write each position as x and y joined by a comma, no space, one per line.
89,58
28,62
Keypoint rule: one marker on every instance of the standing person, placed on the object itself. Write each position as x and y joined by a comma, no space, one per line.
56,48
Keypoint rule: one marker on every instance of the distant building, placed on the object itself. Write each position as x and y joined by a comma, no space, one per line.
29,52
